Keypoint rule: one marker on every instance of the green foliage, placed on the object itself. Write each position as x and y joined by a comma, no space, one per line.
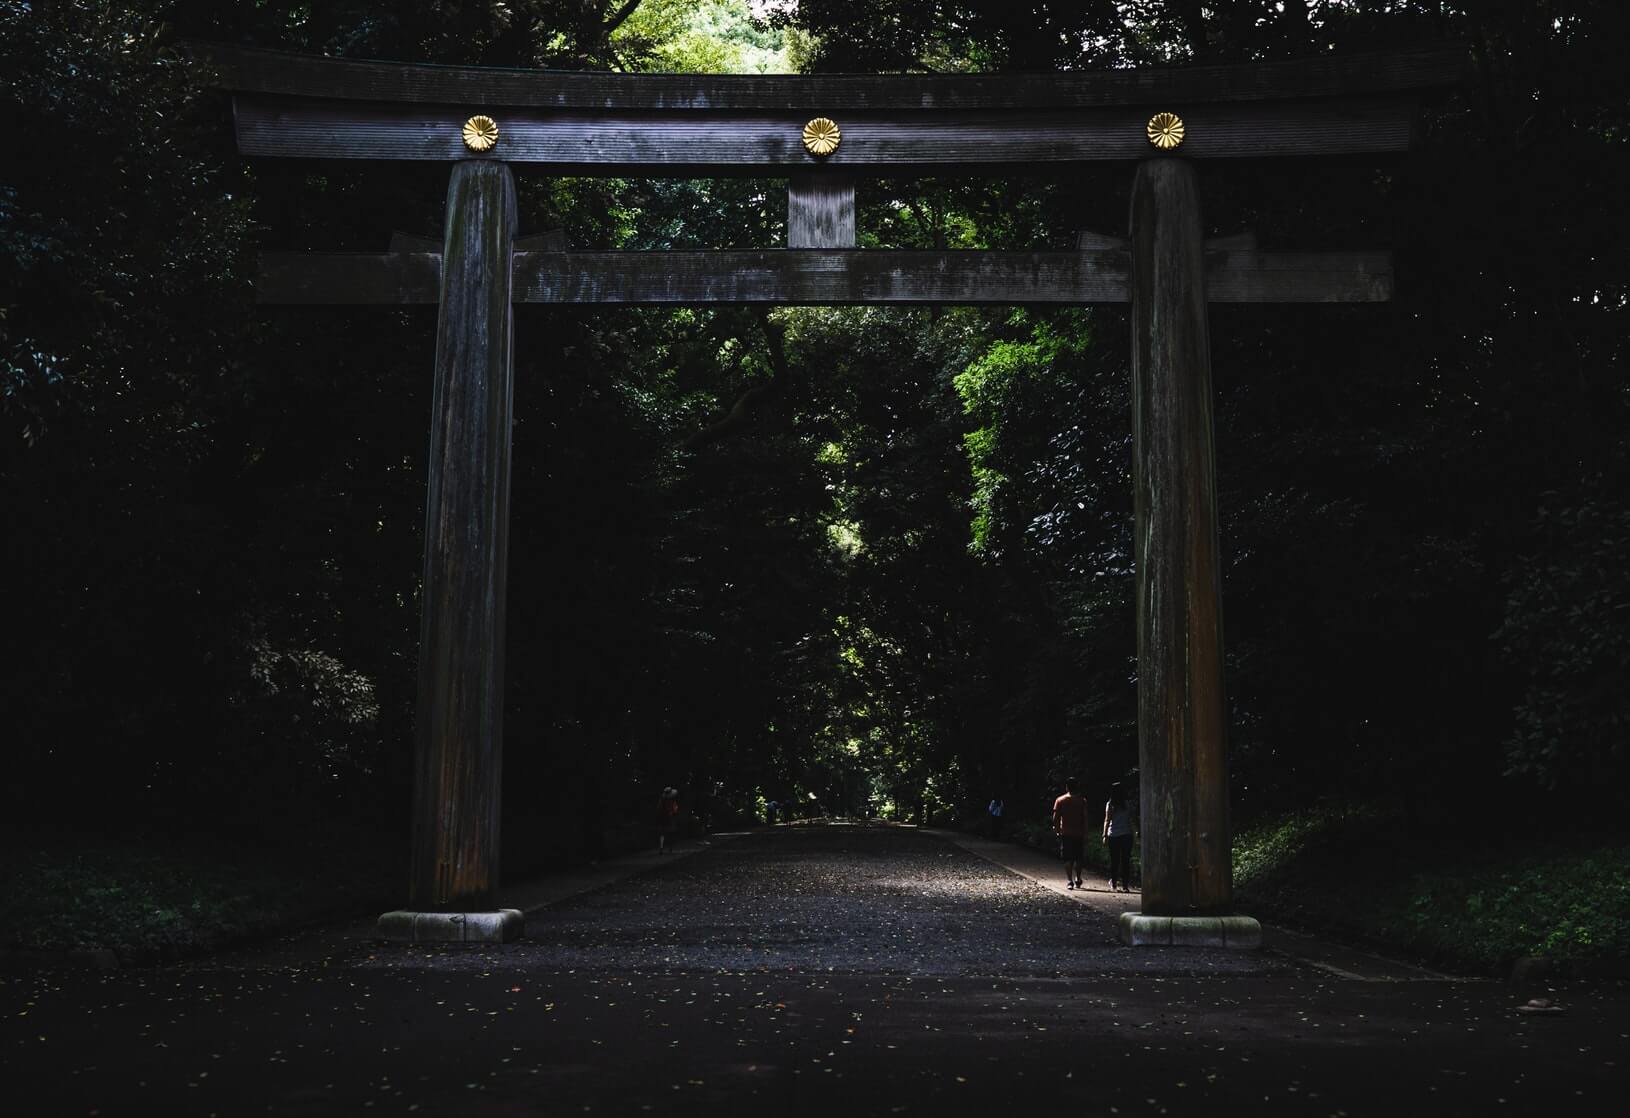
1565,632
303,713
710,37
1263,850
118,251
1474,903
151,899
948,35
1008,390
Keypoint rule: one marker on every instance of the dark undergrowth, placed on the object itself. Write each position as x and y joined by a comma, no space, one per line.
1472,900
154,897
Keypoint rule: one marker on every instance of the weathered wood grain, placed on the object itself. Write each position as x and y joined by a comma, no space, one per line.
880,143
810,277
1424,66
460,719
820,210
1183,772
1091,240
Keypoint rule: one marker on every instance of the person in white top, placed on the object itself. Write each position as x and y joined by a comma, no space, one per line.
1118,837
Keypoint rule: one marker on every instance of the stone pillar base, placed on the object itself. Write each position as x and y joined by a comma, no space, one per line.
1242,933
452,927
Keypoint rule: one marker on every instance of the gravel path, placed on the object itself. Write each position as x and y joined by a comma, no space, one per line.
802,972
838,899
827,898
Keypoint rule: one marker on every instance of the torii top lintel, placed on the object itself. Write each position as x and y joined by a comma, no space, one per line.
666,124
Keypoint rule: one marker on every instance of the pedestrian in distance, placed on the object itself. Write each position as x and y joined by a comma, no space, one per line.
995,813
1118,837
1070,825
667,819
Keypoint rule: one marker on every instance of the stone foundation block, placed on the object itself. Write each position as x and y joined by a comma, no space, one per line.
1239,932
452,927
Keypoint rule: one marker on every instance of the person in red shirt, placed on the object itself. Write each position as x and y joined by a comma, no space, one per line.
1070,825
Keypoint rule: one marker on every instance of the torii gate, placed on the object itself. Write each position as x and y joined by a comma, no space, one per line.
822,133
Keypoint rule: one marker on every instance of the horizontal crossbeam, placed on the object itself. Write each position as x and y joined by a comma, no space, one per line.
299,75
715,143
824,278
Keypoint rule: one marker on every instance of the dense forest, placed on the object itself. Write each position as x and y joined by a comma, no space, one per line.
859,560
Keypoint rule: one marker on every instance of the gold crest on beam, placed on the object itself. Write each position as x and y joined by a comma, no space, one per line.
821,136
1165,131
480,133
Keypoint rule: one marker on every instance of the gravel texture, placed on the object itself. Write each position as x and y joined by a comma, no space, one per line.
836,899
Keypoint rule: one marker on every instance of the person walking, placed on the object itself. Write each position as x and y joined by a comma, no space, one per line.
667,819
1070,825
995,813
1118,837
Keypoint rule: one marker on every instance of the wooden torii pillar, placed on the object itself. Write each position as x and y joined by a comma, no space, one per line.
674,125
458,760
1182,755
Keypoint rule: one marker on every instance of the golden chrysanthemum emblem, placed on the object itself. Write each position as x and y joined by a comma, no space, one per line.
821,136
480,133
1165,130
